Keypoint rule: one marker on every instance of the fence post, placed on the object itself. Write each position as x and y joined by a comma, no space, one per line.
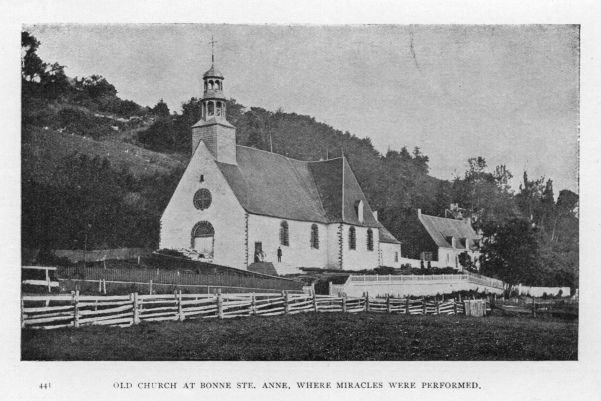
454,306
344,302
48,280
150,287
100,286
253,305
367,301
286,306
314,301
136,308
407,305
388,303
424,306
76,309
104,286
22,314
180,308
437,307
219,304
533,307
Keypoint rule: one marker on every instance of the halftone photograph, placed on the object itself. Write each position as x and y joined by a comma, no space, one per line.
197,192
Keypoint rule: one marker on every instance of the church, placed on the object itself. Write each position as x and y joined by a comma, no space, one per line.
237,205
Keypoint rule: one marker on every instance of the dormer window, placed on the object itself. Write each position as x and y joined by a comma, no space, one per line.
359,210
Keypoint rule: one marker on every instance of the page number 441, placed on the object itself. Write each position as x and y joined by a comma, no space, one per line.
45,386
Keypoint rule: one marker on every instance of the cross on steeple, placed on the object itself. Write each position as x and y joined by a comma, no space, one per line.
212,43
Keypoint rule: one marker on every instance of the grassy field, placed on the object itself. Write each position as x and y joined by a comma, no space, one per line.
315,336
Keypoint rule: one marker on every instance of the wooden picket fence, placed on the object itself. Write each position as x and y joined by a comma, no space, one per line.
56,311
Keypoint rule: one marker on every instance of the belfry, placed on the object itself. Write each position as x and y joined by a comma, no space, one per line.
213,128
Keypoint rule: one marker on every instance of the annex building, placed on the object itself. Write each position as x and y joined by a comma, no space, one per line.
235,205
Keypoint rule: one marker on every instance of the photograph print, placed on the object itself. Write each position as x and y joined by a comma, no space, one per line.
299,193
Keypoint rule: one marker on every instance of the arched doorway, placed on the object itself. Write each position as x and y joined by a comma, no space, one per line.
203,239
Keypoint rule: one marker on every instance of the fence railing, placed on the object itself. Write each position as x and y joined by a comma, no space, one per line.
470,277
172,277
56,311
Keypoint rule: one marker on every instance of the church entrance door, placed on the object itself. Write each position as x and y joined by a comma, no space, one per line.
203,236
258,252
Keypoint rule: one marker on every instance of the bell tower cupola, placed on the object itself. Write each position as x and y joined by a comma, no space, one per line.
213,129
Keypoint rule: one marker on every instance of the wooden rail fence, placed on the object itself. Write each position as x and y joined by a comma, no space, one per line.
56,311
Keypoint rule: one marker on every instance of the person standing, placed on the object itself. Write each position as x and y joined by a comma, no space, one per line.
279,254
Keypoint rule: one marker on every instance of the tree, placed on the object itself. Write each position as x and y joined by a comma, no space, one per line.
40,79
510,252
161,109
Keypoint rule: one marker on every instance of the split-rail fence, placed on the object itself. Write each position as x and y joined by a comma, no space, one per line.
75,310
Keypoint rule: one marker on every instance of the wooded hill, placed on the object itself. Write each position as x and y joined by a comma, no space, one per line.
97,166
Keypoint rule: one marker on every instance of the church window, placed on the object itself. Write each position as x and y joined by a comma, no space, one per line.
396,256
352,238
202,178
202,198
370,239
284,236
203,239
218,109
314,236
211,84
210,108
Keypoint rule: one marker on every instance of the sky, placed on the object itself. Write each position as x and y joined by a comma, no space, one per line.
509,93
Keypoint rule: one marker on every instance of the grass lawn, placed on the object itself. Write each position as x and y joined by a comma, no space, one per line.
314,336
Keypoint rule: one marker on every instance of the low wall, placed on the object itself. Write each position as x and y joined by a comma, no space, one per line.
413,285
539,291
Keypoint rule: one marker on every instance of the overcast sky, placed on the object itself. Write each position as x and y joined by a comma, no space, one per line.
507,93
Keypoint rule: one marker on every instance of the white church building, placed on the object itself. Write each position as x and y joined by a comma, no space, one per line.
235,205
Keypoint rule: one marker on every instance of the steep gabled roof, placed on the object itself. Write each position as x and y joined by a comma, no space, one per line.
386,236
440,228
274,185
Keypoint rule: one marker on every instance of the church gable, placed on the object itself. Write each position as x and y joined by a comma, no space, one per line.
203,196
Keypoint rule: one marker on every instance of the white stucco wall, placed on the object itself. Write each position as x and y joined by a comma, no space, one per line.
387,252
225,212
333,246
359,258
299,252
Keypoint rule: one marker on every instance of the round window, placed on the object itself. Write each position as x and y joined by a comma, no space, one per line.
202,199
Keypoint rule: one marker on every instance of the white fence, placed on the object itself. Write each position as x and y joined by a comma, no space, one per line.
415,285
56,311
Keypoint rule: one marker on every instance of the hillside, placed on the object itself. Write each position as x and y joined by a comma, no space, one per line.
101,169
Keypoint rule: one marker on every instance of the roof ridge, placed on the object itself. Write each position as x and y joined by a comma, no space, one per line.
287,157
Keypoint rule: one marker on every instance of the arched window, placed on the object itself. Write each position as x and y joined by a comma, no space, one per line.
210,108
284,236
314,236
370,239
218,109
352,238
211,84
217,84
203,236
202,198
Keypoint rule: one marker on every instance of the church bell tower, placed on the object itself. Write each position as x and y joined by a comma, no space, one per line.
213,129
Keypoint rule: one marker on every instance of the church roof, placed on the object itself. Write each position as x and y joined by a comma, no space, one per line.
274,185
213,73
441,229
211,121
386,236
